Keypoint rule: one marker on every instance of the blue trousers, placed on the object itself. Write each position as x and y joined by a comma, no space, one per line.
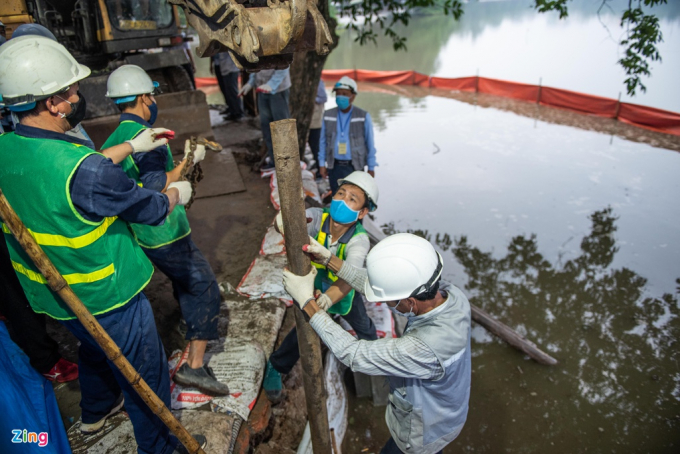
229,88
272,107
193,284
288,353
133,329
340,170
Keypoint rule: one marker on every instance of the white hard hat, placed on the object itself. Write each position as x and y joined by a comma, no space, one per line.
128,81
33,68
401,266
366,182
346,83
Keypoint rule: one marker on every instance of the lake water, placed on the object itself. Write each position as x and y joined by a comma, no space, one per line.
567,235
510,40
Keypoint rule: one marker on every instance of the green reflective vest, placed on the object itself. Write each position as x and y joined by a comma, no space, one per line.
101,261
176,225
324,276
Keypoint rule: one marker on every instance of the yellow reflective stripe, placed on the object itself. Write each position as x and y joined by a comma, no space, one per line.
32,275
76,278
321,238
47,239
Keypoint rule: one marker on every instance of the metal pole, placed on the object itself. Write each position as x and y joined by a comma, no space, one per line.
58,285
289,178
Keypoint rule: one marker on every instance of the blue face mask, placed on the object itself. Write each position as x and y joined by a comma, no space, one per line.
153,109
342,213
342,102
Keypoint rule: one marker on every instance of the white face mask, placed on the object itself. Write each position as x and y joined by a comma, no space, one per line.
408,314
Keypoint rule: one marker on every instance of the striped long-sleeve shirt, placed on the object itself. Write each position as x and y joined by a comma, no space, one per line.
406,356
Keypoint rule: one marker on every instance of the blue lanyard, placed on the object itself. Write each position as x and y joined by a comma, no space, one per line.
344,128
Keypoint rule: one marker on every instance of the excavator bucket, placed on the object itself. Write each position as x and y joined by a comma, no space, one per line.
259,34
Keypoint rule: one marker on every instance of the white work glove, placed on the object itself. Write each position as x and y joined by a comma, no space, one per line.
146,140
245,89
301,288
199,154
279,222
184,188
324,301
266,88
317,252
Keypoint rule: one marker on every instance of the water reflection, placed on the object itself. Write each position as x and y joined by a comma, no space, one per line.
618,381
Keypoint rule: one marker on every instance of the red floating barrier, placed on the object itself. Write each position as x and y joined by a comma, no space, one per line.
579,102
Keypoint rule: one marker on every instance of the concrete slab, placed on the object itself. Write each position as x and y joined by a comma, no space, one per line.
221,175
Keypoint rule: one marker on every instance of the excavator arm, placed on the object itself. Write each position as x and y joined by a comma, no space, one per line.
259,34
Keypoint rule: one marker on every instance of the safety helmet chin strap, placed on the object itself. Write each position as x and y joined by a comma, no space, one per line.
423,289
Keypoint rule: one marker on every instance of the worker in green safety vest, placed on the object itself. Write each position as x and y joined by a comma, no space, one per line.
339,229
169,246
77,204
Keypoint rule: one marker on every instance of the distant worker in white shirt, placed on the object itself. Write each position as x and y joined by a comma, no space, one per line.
429,366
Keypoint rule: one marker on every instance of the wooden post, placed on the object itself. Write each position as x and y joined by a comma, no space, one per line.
540,88
289,178
58,285
618,107
511,336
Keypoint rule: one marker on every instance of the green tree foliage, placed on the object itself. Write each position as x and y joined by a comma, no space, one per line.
368,17
642,34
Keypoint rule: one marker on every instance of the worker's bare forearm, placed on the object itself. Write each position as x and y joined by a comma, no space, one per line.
118,153
335,264
338,291
173,198
175,174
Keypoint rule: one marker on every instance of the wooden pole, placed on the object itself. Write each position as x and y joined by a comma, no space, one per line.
289,179
511,336
113,353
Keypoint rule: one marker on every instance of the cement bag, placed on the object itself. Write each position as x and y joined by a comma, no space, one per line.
264,279
309,187
272,243
236,362
336,405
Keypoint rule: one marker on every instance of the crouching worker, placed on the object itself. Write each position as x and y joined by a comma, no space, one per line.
340,230
78,204
169,246
429,366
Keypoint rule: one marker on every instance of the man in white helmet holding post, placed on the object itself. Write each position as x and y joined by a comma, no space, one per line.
338,228
78,205
428,367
